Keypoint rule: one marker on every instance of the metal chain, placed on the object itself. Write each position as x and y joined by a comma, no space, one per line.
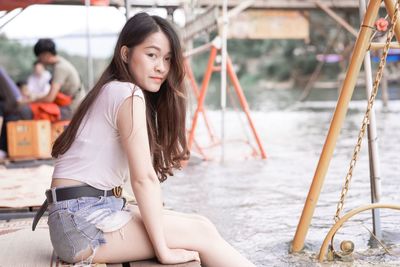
365,120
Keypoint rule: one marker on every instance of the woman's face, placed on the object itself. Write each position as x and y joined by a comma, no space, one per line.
149,62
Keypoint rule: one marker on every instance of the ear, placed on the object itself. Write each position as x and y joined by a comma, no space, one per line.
124,53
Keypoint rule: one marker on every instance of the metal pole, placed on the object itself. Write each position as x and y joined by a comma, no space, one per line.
339,115
127,9
89,49
384,88
224,34
374,165
11,19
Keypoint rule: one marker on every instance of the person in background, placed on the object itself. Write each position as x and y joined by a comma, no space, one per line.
12,107
66,89
9,91
38,83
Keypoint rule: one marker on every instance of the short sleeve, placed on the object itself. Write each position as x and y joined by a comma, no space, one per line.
59,75
138,92
116,93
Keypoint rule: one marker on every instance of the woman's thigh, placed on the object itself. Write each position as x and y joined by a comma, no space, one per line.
132,243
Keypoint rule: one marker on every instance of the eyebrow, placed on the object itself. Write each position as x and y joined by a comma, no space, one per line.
156,47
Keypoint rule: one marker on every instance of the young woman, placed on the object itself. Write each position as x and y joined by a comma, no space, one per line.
131,125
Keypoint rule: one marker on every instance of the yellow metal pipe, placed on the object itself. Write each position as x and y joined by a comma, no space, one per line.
376,46
361,46
347,216
390,7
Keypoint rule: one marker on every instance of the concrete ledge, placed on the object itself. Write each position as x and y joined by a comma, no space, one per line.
19,246
154,263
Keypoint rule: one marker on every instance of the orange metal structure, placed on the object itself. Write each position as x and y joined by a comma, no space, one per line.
202,95
195,89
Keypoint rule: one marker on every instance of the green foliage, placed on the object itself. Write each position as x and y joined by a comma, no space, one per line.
16,58
305,64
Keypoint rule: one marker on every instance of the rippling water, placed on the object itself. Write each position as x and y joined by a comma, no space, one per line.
256,204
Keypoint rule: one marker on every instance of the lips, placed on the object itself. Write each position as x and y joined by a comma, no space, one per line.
157,79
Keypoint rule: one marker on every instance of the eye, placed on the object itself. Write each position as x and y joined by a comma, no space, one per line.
152,55
168,59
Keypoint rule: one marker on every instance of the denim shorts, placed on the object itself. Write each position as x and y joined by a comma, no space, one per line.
78,224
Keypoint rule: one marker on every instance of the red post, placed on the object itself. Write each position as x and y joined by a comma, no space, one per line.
202,96
196,93
242,99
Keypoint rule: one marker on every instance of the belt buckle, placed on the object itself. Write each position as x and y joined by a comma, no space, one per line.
117,191
53,195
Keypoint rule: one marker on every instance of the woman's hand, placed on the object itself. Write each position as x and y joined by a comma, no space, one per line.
176,256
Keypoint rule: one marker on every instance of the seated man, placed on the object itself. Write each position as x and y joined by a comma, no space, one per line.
65,79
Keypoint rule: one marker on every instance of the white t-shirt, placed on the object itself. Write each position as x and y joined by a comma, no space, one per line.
96,156
39,86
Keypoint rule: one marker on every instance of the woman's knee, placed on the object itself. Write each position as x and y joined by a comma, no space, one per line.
205,226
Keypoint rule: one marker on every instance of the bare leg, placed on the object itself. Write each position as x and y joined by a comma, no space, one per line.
192,232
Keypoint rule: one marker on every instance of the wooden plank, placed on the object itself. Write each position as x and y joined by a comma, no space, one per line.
337,18
19,246
269,24
376,46
258,4
206,20
152,263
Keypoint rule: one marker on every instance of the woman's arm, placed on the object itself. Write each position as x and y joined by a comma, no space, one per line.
144,180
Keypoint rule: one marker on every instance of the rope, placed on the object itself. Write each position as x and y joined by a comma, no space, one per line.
365,120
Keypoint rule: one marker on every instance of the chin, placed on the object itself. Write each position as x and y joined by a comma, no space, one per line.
153,89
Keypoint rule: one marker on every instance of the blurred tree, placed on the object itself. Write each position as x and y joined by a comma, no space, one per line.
16,58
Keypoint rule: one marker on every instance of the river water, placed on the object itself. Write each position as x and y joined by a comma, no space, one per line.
256,204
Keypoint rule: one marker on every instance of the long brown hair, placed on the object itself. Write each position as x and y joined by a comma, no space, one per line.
165,109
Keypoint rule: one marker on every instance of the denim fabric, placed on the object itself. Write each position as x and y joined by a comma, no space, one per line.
72,224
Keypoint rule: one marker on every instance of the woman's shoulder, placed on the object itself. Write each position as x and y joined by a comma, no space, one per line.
122,89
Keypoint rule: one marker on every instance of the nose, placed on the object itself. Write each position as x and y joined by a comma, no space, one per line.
160,66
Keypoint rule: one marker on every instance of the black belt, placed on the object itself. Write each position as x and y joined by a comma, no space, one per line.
66,193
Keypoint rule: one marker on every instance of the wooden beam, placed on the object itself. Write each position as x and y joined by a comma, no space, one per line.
336,17
258,4
376,46
205,21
